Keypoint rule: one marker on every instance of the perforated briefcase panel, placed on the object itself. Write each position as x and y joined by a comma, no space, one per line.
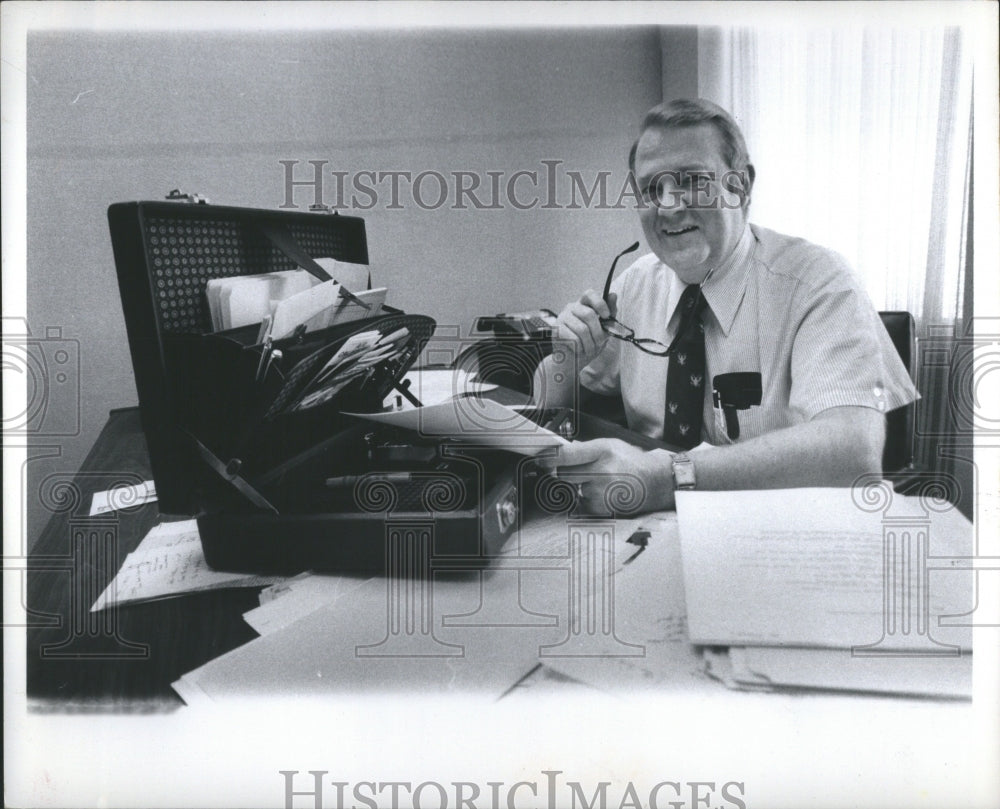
186,246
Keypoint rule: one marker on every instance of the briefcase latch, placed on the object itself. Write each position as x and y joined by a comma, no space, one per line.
319,207
180,196
507,511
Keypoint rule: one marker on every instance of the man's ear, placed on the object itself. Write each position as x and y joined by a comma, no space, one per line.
741,183
751,174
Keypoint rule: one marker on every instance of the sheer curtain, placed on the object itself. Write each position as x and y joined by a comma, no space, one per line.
860,138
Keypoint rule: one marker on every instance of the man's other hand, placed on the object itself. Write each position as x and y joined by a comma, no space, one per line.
580,324
613,477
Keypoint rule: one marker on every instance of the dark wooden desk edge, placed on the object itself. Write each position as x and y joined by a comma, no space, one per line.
123,659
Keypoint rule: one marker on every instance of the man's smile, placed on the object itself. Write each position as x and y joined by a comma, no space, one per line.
679,231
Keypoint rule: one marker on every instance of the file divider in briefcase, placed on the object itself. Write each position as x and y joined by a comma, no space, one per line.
252,437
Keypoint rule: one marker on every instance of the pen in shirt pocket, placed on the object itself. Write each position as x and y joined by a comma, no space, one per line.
732,392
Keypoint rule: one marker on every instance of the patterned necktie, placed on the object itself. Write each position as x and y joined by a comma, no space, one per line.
686,374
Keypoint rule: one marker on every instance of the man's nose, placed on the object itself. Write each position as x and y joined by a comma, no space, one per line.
671,200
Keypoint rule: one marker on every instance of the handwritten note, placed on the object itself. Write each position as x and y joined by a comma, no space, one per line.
810,567
169,562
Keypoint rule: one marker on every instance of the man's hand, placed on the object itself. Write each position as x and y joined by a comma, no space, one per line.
613,477
580,324
579,329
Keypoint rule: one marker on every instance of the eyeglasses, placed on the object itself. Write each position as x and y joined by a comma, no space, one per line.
615,328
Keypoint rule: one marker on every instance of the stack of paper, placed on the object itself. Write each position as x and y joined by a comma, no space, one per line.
809,589
319,307
356,643
246,299
288,299
169,562
483,632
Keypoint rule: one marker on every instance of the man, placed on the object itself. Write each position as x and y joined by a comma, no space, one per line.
725,297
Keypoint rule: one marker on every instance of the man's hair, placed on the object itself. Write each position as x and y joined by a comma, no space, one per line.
686,112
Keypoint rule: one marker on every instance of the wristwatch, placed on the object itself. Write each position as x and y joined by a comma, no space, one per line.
683,468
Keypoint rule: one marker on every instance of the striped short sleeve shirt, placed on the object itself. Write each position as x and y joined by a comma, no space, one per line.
778,306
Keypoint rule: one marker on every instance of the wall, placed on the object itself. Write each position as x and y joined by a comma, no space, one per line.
679,59
120,116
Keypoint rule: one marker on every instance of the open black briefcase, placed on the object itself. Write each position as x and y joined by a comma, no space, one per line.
277,488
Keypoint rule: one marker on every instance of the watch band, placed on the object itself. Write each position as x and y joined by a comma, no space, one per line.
683,469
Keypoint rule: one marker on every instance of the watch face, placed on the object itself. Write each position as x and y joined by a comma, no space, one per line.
683,473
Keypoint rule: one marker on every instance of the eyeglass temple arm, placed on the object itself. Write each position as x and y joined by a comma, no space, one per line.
611,274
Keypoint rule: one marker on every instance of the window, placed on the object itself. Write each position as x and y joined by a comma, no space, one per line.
860,138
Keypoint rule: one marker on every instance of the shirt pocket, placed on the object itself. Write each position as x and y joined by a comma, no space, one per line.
720,435
745,389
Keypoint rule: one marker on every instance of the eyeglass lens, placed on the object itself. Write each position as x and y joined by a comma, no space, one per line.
615,328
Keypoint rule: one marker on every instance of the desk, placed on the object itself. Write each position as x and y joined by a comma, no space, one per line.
125,657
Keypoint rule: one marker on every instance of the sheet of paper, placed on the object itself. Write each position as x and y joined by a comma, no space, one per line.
645,645
473,631
719,665
838,669
323,306
187,689
543,683
431,387
245,302
245,299
357,644
165,534
171,564
477,421
347,310
282,588
122,497
808,567
287,602
288,314
353,276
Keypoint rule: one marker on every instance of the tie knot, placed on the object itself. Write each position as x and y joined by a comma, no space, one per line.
692,301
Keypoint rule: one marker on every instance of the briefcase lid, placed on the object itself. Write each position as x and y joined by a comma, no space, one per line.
165,254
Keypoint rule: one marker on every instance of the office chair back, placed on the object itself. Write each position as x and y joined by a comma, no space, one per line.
900,423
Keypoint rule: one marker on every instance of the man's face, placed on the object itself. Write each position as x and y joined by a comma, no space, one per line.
698,221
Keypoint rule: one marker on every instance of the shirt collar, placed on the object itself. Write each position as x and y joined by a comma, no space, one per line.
724,289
